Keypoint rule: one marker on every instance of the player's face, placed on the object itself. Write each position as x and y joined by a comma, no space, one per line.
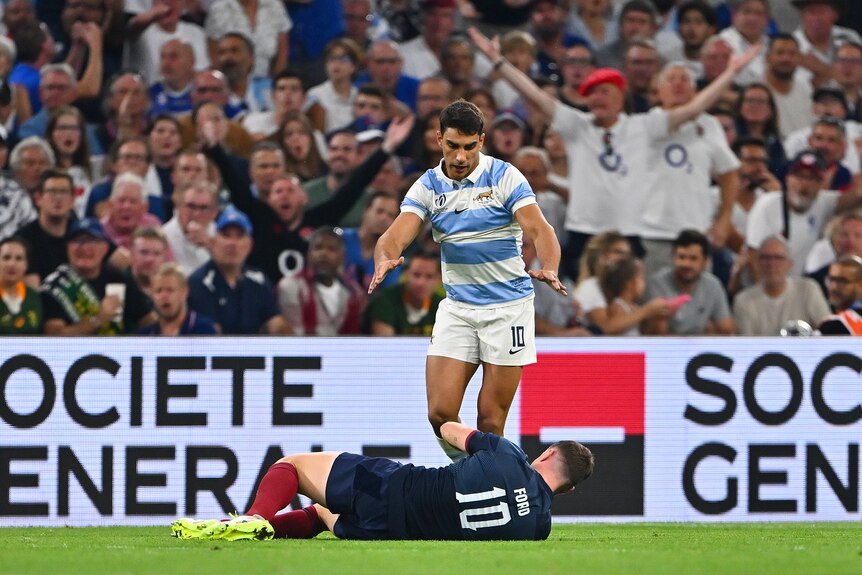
688,262
423,277
460,152
13,263
169,295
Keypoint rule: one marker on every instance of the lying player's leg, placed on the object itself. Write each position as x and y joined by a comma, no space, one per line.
305,473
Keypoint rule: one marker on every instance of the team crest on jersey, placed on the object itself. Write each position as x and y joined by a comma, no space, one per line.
484,197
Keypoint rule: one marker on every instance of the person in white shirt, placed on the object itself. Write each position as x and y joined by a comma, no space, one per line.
790,86
682,166
154,28
607,149
336,94
189,232
829,100
817,34
750,19
799,213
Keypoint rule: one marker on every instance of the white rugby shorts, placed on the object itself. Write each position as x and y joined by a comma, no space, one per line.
503,335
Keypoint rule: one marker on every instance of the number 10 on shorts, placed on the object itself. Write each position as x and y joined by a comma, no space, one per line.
518,336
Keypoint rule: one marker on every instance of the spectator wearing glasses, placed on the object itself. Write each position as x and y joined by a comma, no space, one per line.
29,159
576,65
126,106
57,88
845,295
845,241
336,94
777,298
190,230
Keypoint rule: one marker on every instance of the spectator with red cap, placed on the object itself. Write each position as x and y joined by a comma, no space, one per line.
606,148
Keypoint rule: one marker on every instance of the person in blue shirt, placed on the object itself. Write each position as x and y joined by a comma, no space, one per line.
239,298
479,208
170,290
495,493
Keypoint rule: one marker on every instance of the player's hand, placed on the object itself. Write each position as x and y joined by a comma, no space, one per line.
488,46
381,270
550,278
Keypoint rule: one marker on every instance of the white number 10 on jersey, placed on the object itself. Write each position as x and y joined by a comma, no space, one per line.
500,510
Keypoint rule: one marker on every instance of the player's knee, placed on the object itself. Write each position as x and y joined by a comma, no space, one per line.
437,418
491,422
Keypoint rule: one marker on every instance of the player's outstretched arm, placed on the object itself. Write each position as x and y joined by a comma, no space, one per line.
520,81
537,228
705,99
387,252
456,434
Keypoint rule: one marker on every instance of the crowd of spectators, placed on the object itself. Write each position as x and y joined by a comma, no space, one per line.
204,167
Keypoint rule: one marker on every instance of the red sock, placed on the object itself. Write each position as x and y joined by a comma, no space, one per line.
301,524
277,489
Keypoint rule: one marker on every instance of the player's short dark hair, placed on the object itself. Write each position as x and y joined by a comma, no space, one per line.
690,238
578,462
463,116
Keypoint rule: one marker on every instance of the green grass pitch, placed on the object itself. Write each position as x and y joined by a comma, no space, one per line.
640,549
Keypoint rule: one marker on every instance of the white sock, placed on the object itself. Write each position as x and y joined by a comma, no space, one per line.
451,452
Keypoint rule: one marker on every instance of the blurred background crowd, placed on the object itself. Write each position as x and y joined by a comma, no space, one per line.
180,167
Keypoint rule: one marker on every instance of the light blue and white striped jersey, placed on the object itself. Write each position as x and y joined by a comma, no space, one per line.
474,222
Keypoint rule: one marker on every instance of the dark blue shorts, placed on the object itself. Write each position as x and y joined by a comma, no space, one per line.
358,490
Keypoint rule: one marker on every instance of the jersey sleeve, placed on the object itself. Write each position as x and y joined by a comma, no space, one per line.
481,441
419,198
518,190
656,123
